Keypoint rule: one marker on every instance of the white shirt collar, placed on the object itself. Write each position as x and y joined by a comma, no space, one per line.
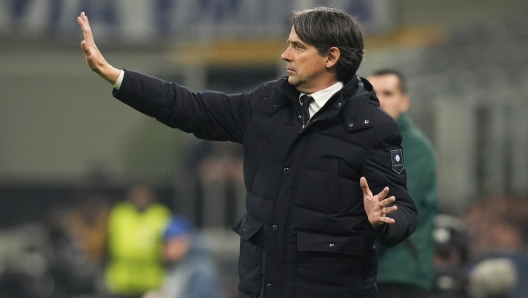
322,96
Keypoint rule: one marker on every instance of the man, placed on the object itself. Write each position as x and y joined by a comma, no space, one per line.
311,219
413,258
191,272
135,229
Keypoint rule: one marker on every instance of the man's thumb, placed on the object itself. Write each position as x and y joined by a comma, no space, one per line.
84,45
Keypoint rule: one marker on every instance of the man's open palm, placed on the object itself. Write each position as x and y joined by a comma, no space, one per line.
93,56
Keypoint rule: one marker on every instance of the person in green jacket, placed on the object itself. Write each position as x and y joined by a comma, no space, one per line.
406,270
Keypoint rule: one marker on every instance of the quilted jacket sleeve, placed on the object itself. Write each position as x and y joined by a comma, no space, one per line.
208,115
380,171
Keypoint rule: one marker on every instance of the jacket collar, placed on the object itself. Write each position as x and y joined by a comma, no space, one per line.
356,112
348,89
290,91
353,99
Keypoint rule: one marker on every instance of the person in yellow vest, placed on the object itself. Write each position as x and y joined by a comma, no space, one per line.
135,239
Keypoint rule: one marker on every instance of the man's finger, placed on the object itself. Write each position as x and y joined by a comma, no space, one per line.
87,31
85,27
388,220
383,193
389,210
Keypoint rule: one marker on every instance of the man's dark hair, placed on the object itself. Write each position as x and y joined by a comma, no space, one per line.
388,71
325,27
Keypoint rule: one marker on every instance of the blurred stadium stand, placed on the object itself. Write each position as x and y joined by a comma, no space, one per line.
465,63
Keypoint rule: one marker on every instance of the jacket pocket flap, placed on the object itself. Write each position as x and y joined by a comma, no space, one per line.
351,245
247,227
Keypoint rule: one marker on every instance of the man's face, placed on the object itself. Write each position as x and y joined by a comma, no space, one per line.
305,65
141,197
176,248
391,98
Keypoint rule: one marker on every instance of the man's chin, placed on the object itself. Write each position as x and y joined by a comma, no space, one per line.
292,81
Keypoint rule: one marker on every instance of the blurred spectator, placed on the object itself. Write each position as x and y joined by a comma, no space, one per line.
223,162
68,263
413,258
222,184
493,278
451,257
191,270
25,263
40,259
88,227
497,225
135,230
498,228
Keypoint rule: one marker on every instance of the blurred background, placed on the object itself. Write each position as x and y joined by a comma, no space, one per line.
69,152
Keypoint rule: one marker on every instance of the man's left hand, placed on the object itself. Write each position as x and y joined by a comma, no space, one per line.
377,206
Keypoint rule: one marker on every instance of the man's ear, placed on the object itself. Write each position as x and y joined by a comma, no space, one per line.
332,56
406,104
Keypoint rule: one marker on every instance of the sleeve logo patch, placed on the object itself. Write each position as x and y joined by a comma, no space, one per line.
397,161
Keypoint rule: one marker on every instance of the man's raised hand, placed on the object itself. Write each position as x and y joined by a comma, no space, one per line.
93,56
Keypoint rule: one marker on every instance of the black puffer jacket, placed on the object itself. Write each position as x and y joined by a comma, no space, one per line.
305,233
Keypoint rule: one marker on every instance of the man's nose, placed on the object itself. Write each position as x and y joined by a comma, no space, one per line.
285,55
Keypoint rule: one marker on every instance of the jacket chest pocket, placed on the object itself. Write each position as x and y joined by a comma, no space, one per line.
250,261
328,265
